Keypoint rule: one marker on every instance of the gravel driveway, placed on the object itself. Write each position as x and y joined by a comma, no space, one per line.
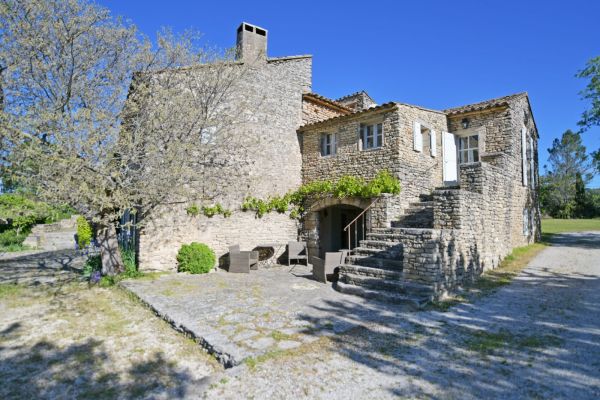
538,337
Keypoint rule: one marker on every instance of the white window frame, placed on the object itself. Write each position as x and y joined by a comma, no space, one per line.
525,222
469,150
376,134
328,144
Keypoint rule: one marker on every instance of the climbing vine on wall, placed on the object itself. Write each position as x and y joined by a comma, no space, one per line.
346,186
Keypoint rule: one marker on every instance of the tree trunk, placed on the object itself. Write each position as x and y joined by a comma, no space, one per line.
112,263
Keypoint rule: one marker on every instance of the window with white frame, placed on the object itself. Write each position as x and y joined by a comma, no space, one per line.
468,149
328,144
525,222
371,136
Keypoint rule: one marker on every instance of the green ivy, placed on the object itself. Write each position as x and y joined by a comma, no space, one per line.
208,211
346,186
193,210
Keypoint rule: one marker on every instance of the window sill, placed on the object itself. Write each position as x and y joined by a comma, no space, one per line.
372,149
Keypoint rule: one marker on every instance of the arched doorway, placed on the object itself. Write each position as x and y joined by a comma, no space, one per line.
327,220
332,221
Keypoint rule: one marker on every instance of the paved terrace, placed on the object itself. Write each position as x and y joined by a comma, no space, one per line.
235,316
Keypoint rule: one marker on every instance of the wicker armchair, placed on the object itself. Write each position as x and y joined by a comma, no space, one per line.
297,251
242,261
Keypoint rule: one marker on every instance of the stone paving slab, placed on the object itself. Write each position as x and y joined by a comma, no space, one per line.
236,316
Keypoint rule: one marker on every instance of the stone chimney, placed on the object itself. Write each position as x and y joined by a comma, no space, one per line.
251,43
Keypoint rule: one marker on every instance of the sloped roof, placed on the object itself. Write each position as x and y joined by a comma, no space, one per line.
326,102
483,105
355,94
352,114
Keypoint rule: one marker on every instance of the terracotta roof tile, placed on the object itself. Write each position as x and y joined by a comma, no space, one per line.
323,99
497,102
342,117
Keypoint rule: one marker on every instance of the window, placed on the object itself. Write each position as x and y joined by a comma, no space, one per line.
208,135
525,222
371,136
328,144
468,149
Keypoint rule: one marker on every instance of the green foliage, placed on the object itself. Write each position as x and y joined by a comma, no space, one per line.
208,211
193,210
128,257
562,187
92,264
196,258
346,186
591,93
84,232
23,212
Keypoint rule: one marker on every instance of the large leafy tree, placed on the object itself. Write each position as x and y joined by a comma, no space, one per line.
569,168
591,93
96,116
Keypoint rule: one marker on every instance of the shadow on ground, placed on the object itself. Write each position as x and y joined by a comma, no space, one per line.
49,267
538,337
47,371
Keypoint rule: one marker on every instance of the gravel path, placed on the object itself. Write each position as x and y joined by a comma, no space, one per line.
538,337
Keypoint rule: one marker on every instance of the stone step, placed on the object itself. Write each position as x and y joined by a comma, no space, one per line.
414,301
375,253
375,262
379,273
393,284
421,204
426,197
380,244
401,231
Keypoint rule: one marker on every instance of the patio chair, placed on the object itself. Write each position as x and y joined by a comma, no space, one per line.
297,251
322,268
242,261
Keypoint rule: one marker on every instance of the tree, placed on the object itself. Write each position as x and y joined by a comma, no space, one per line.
97,117
591,92
568,164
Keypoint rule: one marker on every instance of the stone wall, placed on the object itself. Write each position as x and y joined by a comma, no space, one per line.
274,89
315,111
419,172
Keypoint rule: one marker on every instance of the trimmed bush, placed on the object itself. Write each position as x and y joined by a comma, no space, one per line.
195,258
84,232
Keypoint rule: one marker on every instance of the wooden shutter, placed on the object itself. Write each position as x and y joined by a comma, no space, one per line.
450,164
432,143
417,137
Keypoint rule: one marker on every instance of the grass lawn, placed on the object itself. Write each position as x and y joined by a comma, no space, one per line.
552,226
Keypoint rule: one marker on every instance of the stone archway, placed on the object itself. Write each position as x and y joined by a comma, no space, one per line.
324,222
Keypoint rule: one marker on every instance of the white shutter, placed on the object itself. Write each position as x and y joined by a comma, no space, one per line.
532,162
417,137
524,154
450,165
432,143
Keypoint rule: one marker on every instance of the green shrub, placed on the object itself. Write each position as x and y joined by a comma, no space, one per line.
24,212
128,257
196,258
84,232
92,264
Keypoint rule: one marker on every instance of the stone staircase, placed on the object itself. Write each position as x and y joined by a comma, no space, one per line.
375,268
417,215
57,236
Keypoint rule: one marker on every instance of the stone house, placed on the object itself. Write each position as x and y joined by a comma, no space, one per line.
469,183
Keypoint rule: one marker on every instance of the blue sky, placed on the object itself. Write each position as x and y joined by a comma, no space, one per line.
437,54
